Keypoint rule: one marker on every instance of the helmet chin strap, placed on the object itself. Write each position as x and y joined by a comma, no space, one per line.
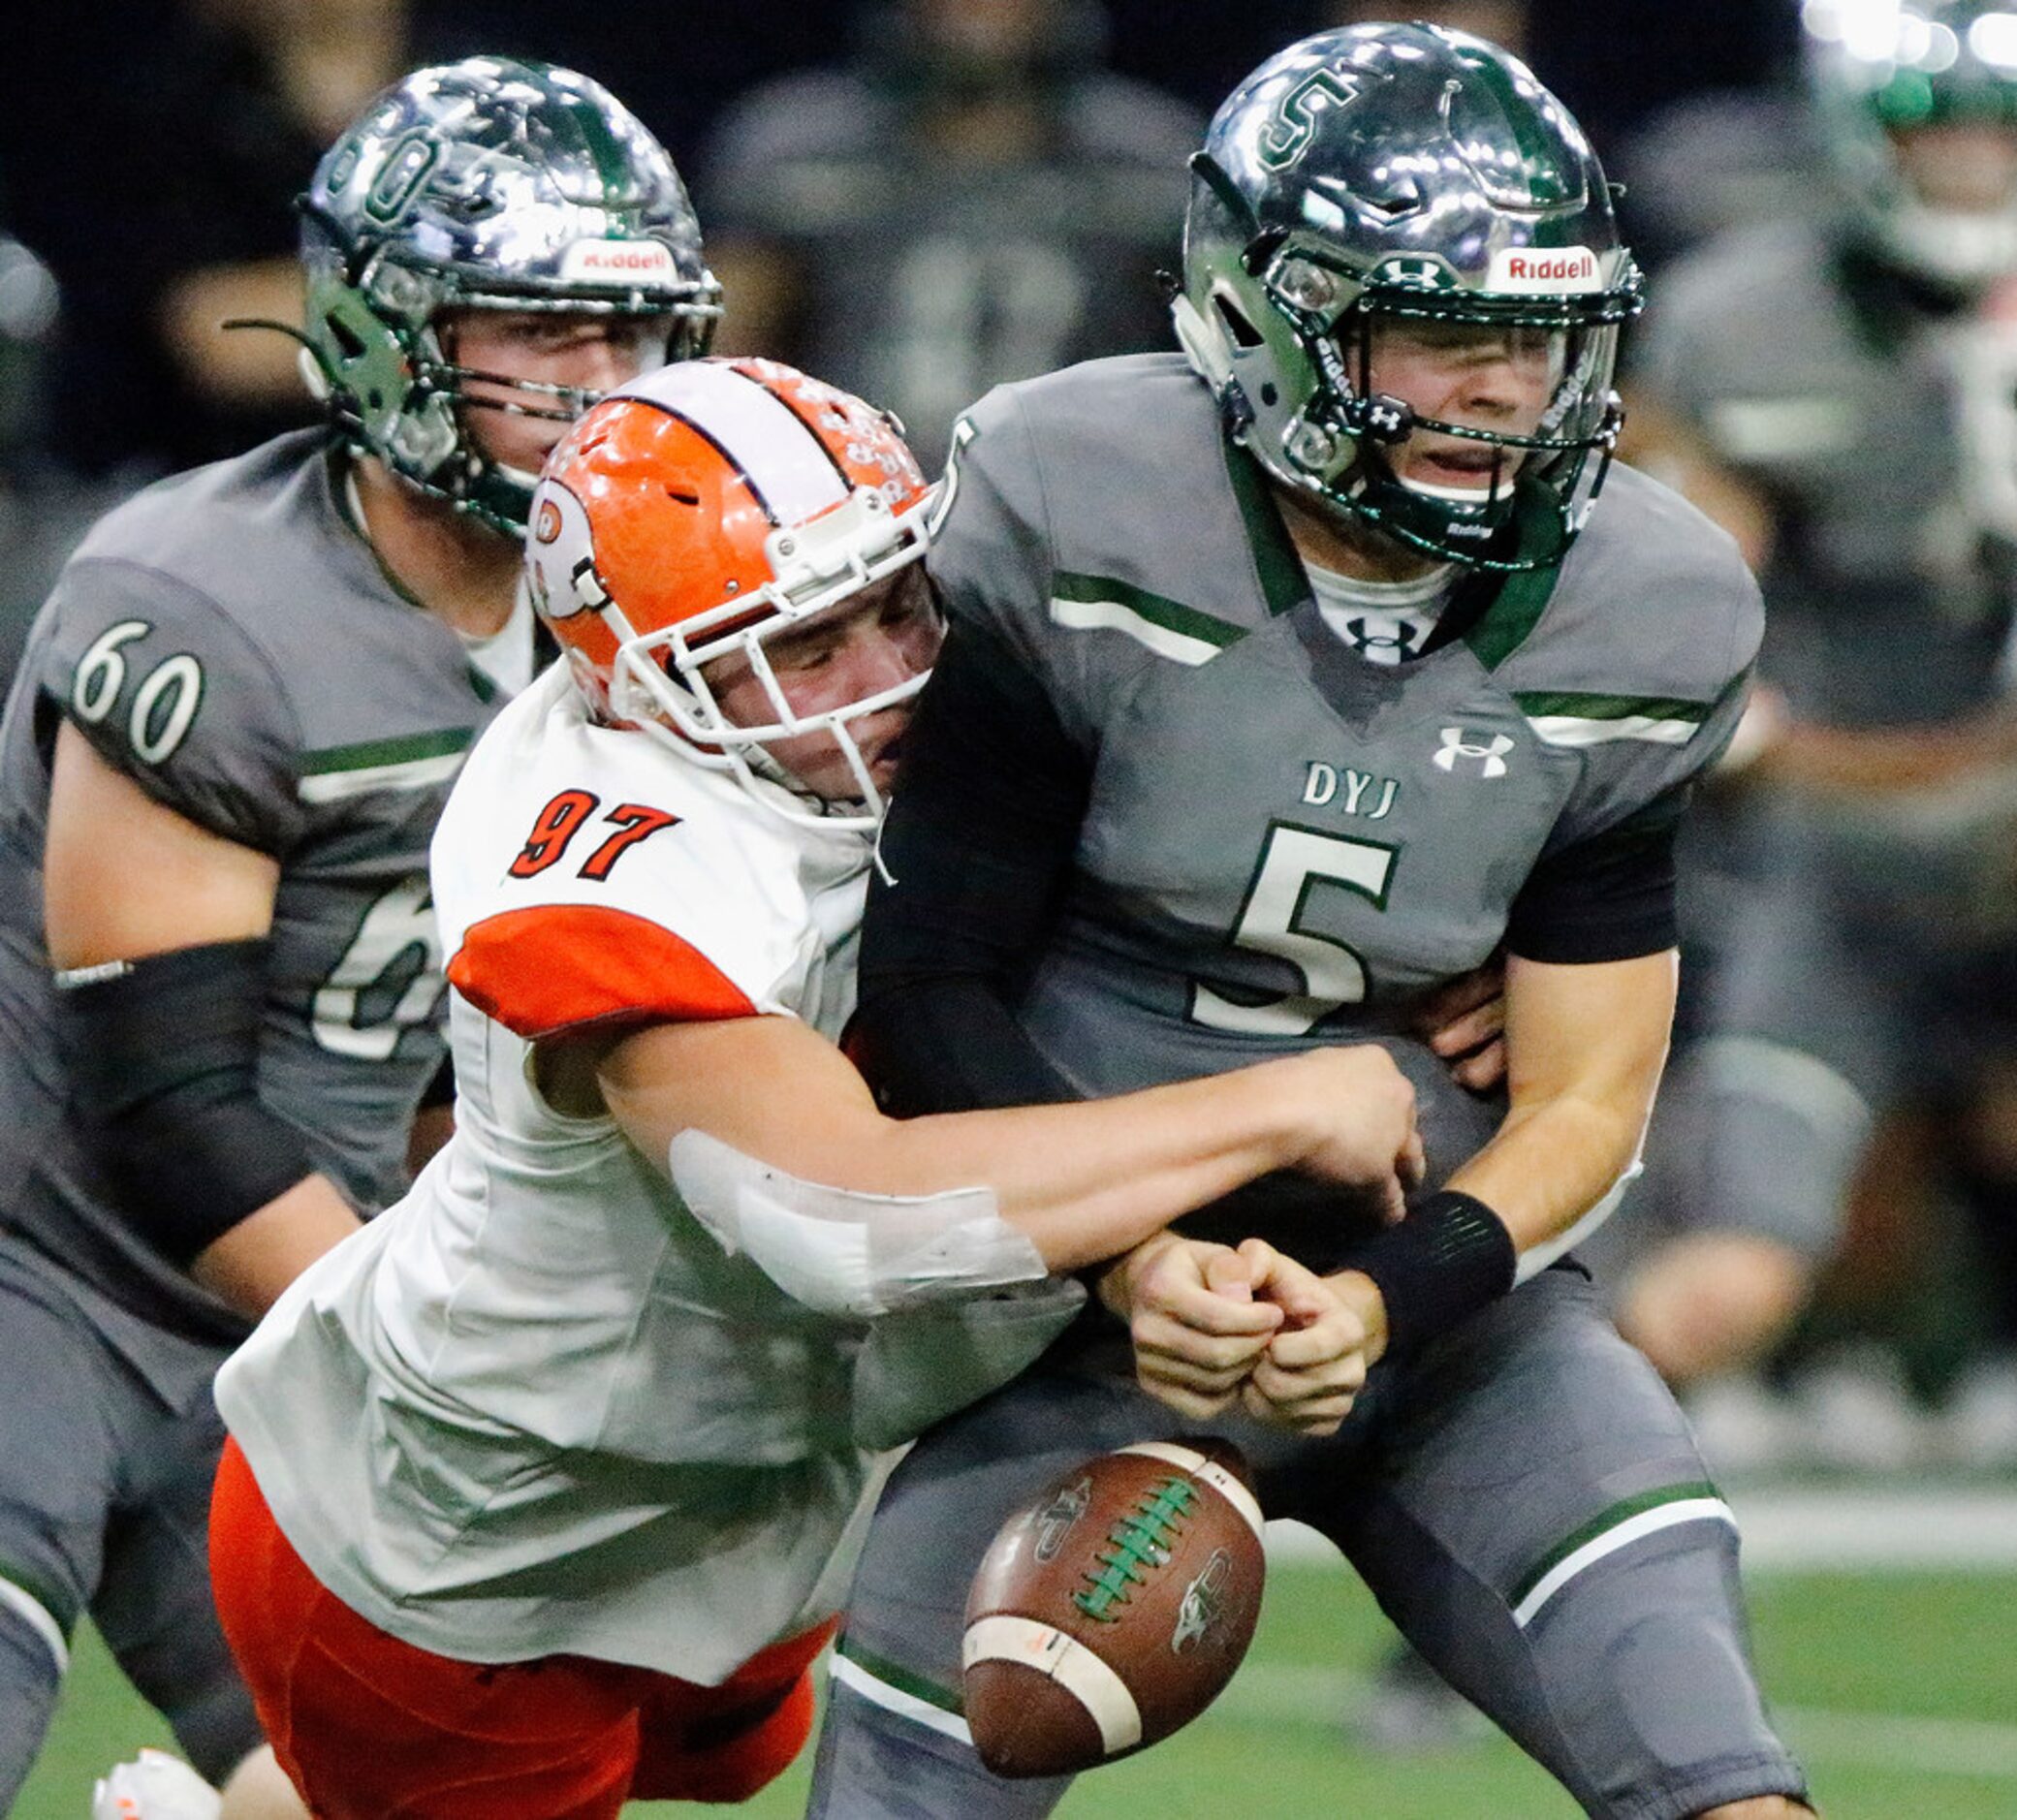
1205,351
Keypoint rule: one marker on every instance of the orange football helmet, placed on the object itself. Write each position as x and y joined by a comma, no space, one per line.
701,510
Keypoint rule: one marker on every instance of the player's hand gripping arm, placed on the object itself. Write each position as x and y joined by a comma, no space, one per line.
1081,1181
1584,1045
1210,1323
128,880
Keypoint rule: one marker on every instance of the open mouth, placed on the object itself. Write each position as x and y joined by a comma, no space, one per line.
1464,470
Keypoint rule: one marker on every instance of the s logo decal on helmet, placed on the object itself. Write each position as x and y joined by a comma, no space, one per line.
1287,135
484,184
1405,174
701,512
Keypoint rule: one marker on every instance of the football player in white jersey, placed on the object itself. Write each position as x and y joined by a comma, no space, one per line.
232,731
566,1459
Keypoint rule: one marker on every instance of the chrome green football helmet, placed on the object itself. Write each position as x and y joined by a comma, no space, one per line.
1878,69
1406,173
484,184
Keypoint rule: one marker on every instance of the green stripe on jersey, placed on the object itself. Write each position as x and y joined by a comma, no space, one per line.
1275,564
1610,1531
1564,718
1088,602
1611,707
412,763
894,1674
1518,600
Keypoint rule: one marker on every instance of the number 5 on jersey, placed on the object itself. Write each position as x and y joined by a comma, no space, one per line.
1292,859
563,818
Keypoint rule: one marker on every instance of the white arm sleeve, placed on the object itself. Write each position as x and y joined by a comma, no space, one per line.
844,1253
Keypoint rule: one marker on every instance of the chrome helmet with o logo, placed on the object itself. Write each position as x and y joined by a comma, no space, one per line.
484,184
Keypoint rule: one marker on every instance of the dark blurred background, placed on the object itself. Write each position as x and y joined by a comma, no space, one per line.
145,142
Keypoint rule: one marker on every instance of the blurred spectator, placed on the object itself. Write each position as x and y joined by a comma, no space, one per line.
167,210
972,199
1842,390
1717,160
1502,22
42,510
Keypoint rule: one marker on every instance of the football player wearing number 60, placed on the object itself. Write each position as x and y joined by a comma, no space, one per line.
234,727
566,1459
1286,678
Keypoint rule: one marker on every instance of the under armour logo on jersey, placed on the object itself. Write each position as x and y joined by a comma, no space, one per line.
1391,646
1491,757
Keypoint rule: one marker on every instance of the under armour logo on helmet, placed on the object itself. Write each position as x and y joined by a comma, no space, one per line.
1380,416
1491,757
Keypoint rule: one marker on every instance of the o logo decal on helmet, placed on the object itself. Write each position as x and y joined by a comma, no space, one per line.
405,168
560,556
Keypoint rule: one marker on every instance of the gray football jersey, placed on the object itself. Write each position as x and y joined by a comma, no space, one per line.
1890,595
226,639
1286,844
929,279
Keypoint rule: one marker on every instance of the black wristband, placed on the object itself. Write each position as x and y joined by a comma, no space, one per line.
1444,1263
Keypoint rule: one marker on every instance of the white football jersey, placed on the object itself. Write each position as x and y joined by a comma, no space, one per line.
534,1408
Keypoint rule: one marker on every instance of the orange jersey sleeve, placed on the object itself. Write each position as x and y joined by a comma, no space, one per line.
555,967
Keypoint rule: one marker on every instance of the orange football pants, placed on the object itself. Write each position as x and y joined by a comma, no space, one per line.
371,1727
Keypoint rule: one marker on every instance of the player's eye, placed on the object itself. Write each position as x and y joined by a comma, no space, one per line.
639,338
800,657
552,335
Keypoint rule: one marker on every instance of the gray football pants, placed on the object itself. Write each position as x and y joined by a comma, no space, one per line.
104,1500
1523,1499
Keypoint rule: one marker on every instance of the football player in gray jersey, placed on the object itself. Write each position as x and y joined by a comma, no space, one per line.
1845,385
235,723
1285,684
972,199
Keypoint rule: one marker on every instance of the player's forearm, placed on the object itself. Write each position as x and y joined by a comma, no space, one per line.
1086,1183
254,1261
1083,1181
1585,1046
1549,1164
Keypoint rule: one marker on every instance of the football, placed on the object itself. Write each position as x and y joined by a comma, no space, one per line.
1113,1607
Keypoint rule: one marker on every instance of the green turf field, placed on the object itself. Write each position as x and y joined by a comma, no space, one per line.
1899,1690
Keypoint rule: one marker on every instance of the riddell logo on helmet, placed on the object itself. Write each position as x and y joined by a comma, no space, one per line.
1544,271
618,260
